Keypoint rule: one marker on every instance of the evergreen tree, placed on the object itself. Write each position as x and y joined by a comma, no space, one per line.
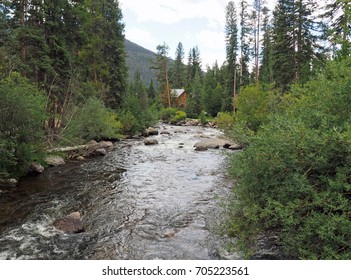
193,105
151,93
266,70
244,43
178,68
160,65
257,28
212,92
194,65
231,33
104,50
293,48
339,31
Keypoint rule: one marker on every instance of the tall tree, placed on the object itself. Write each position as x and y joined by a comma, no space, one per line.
257,28
160,65
339,31
245,29
178,67
293,48
231,35
104,51
266,70
194,65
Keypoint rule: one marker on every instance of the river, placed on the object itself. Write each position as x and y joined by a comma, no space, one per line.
137,202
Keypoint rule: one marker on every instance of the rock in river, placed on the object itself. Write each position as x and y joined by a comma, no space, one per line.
36,167
71,223
54,160
150,141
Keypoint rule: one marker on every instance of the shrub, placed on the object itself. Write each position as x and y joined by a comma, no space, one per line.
294,178
167,114
22,117
224,120
93,121
179,116
129,123
254,107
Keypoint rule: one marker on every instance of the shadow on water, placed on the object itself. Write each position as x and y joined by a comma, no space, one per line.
138,202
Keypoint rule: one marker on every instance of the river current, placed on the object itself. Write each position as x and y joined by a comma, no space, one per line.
137,202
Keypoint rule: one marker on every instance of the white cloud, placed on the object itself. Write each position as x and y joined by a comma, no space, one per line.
141,37
170,11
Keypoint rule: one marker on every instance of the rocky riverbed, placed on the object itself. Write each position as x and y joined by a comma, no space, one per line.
139,201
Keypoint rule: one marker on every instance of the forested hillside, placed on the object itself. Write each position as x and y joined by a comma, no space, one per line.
139,59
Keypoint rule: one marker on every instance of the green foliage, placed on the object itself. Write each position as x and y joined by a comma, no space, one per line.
92,121
129,123
294,177
136,115
224,120
254,107
22,117
167,114
203,118
179,116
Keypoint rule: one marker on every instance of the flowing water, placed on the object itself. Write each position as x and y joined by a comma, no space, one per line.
137,202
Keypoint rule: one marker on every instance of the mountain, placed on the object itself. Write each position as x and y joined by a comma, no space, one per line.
139,59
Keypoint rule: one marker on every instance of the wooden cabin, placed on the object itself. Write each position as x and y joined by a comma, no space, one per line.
179,97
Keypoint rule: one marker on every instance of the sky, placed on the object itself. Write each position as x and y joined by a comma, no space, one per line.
201,23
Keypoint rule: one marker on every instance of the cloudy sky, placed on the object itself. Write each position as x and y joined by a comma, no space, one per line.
193,22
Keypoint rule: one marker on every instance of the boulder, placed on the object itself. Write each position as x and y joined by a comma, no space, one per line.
235,147
71,223
150,132
216,143
55,160
201,148
105,145
36,167
165,132
100,152
151,141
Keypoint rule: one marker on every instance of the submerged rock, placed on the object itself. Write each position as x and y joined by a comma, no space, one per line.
71,223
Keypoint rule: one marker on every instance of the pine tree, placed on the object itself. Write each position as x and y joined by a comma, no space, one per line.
104,50
231,33
160,65
293,48
339,31
194,65
266,70
178,68
257,28
244,43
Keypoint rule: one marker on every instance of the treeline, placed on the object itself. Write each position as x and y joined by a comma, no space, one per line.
63,79
292,181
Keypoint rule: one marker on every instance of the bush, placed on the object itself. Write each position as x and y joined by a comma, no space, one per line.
129,123
167,114
294,178
22,117
179,116
254,107
93,121
225,121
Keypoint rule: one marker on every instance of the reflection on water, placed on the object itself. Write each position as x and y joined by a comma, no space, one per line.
138,202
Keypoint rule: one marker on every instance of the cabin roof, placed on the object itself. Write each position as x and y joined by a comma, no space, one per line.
177,91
